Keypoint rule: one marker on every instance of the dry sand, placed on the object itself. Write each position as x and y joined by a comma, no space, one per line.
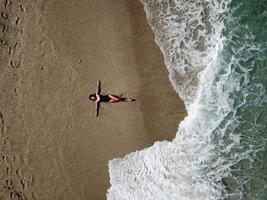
52,54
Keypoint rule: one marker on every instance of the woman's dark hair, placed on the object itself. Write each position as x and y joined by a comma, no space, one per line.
92,95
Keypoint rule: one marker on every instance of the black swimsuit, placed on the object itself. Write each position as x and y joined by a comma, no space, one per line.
104,98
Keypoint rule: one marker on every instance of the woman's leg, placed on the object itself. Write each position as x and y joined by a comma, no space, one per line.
126,99
115,98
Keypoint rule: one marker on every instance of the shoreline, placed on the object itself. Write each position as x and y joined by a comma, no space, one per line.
161,106
62,150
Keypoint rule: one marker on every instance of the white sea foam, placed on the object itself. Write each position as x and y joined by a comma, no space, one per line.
189,36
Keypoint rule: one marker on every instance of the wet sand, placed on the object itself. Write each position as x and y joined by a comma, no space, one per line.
53,147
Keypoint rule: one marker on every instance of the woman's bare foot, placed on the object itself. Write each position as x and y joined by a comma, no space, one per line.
130,99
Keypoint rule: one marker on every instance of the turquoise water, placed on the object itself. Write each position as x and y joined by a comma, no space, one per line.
244,59
216,55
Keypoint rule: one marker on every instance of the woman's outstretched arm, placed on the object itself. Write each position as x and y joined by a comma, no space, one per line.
98,87
97,105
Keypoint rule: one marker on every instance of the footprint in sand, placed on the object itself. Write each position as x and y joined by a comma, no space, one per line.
4,15
15,64
7,3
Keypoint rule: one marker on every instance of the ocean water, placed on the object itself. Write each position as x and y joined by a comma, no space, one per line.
216,55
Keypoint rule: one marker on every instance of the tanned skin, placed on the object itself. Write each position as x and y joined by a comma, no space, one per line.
109,98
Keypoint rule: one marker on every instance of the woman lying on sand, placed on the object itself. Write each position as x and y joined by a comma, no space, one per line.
110,98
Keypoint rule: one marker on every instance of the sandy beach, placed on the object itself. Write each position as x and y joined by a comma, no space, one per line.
52,54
